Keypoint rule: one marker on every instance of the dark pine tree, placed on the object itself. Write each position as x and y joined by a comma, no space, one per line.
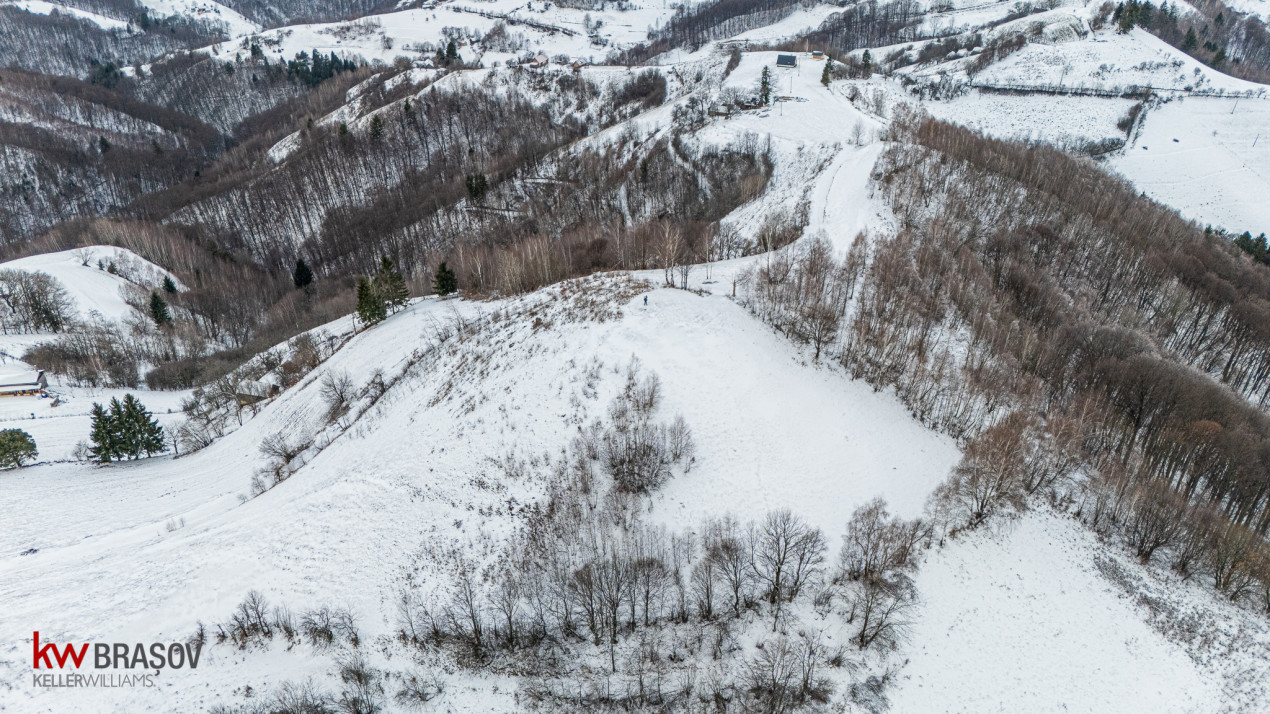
391,286
445,282
370,306
477,185
159,310
143,433
302,276
169,285
16,448
104,448
1191,42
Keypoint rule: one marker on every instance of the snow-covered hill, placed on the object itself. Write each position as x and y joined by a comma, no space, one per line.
422,448
96,278
143,551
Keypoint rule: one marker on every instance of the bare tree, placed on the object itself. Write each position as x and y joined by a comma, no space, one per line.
787,553
990,475
338,393
669,250
1157,517
876,543
881,605
1233,559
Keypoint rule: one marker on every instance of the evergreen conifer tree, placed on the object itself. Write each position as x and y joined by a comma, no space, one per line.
103,436
124,430
451,52
827,74
391,286
866,64
159,310
143,431
765,87
1191,41
303,276
169,285
370,305
445,282
477,185
376,127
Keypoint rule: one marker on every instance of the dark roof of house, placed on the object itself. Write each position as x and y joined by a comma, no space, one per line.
786,61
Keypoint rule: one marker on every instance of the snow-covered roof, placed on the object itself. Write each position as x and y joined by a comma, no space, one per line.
20,378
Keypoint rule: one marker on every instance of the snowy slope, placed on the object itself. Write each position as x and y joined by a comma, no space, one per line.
1107,60
1207,157
205,10
383,38
1013,620
94,288
1016,619
1038,630
1059,120
41,7
412,471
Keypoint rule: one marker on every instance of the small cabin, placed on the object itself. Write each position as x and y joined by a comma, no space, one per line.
539,60
28,383
817,54
787,61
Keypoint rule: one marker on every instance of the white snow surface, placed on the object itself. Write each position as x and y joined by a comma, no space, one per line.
92,288
207,10
40,7
412,473
1059,120
1107,60
1021,620
1014,618
1207,157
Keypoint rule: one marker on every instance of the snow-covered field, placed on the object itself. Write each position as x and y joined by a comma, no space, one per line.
1207,157
1061,120
409,473
93,289
1107,60
1013,618
206,10
1044,630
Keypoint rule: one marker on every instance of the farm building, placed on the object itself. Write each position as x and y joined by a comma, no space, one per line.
251,392
26,383
789,61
